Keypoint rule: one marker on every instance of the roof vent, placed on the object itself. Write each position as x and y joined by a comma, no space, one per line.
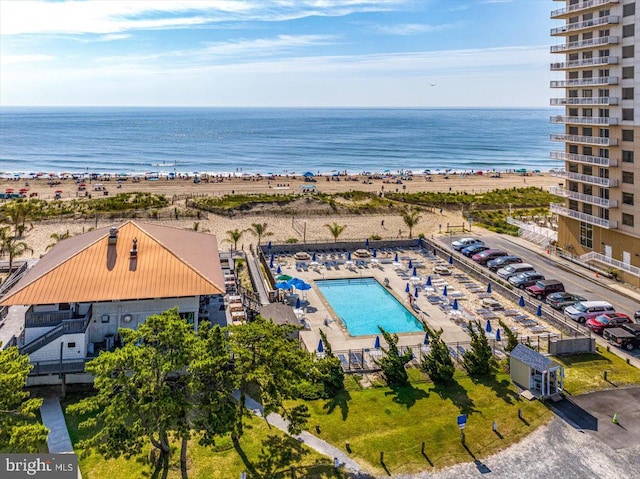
113,235
134,248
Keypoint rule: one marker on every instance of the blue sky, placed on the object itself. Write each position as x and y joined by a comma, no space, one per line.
315,53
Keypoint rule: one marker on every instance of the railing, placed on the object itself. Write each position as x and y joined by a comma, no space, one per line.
593,42
66,366
591,140
593,81
584,217
593,100
588,159
13,278
592,180
600,258
592,200
533,233
50,318
584,120
69,326
585,62
580,6
594,22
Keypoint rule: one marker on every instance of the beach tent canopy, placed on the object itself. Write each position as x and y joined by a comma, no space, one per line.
307,174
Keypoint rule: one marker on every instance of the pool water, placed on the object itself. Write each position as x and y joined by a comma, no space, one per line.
363,304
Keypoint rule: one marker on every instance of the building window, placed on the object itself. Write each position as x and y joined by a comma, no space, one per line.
586,235
627,93
587,170
627,114
629,9
627,177
627,156
573,205
627,219
627,198
628,30
627,73
71,345
627,52
627,135
104,318
587,209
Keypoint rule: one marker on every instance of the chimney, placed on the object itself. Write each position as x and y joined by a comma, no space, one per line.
113,235
134,248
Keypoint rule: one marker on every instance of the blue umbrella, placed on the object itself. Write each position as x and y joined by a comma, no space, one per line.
406,289
396,258
415,272
497,334
303,286
539,310
349,255
307,174
488,287
375,253
488,328
283,285
429,281
450,259
296,282
455,305
435,252
521,301
410,265
415,293
269,246
271,262
377,343
313,258
426,338
444,291
279,270
297,303
367,243
320,346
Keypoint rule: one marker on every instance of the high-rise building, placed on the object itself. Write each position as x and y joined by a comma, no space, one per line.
598,81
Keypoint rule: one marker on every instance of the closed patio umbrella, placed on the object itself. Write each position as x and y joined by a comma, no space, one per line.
313,258
396,258
367,243
271,262
375,253
298,303
406,289
376,344
488,287
444,291
521,301
497,334
488,328
539,310
415,272
320,346
429,281
426,338
279,270
455,305
410,264
450,259
349,256
415,293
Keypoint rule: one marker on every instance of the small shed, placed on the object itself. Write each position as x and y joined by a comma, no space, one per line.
536,372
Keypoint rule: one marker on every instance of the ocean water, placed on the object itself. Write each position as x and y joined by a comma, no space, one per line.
216,140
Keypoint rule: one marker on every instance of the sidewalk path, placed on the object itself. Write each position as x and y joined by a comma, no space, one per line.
58,440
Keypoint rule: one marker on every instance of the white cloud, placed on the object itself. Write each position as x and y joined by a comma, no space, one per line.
413,28
6,60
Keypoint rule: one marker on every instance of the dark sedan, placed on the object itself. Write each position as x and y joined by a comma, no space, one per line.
561,300
473,249
523,280
496,264
487,255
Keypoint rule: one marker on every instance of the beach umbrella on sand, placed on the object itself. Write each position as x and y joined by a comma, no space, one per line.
429,281
415,272
396,258
279,270
488,287
488,328
406,290
455,305
410,265
497,334
377,343
521,301
426,338
320,346
539,310
450,259
271,262
444,291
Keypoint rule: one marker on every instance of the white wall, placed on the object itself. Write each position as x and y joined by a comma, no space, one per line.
51,351
34,333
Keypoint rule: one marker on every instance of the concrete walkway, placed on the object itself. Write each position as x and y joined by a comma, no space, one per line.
58,440
305,437
256,274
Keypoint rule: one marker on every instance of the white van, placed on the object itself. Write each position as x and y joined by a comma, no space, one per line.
584,310
513,269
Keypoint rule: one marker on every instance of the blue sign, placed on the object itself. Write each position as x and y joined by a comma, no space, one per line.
462,421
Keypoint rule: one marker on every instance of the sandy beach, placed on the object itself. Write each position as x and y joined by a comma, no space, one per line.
38,237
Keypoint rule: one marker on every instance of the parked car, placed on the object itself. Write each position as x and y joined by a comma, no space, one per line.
627,336
607,320
514,269
543,288
502,261
523,280
584,310
562,300
469,251
636,315
458,245
487,255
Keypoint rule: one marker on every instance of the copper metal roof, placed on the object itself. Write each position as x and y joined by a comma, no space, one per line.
169,263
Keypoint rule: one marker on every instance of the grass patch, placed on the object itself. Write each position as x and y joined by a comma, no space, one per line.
263,453
584,372
398,420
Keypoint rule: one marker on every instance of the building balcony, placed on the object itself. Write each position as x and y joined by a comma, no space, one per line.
584,120
560,209
584,63
51,318
591,100
585,44
580,7
584,159
585,25
591,180
578,82
588,140
590,199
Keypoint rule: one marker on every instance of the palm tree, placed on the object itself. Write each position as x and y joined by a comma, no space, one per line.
13,248
57,238
411,219
234,236
196,227
336,230
17,213
259,230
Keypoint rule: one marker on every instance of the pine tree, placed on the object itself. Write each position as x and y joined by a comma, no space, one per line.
392,362
438,363
478,361
512,337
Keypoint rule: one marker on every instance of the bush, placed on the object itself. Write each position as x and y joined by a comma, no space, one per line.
291,240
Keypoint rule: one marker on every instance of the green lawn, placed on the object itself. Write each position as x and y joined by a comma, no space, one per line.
398,420
260,448
584,372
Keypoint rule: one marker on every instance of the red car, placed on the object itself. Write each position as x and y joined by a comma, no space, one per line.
607,320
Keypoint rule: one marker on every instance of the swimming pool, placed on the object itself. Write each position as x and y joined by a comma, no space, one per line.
363,304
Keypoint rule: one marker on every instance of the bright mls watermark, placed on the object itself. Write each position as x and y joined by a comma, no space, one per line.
50,466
